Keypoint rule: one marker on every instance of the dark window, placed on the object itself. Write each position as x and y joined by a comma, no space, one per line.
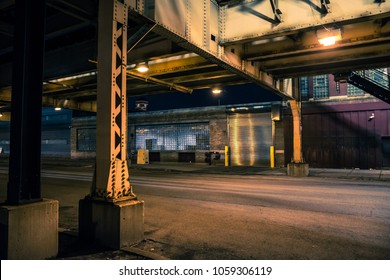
86,139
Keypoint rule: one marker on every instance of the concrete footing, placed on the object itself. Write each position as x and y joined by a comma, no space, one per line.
298,169
111,224
29,231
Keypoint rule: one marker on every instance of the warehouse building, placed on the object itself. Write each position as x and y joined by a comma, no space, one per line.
343,127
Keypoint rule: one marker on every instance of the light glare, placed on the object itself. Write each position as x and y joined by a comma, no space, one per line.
328,41
216,91
142,69
328,37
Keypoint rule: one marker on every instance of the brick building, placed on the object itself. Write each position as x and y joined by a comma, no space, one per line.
185,135
343,127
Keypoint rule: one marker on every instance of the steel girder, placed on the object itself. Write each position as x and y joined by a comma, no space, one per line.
236,34
236,41
111,178
198,27
24,184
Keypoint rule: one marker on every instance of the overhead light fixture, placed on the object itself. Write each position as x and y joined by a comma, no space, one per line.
216,91
328,37
142,67
59,104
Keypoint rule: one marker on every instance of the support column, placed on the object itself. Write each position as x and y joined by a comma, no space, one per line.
26,110
297,167
28,223
227,156
297,128
112,215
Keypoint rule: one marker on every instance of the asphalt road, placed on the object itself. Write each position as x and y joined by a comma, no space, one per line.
203,216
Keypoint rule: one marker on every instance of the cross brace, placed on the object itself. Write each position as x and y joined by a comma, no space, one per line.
276,10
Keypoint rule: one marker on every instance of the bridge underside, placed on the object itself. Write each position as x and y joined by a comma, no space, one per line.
192,44
188,45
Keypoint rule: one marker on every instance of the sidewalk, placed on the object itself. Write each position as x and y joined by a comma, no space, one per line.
50,163
354,174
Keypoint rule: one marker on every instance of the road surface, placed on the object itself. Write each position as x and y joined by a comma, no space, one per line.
203,216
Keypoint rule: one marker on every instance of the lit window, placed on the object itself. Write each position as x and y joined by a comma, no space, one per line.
304,87
173,137
320,86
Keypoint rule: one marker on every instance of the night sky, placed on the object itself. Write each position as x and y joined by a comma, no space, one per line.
239,94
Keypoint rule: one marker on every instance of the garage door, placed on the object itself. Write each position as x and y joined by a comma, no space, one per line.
250,137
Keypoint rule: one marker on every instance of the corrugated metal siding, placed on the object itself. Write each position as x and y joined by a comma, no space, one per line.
55,140
342,139
250,136
339,140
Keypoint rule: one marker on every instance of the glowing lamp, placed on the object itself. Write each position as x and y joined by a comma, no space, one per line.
328,37
142,67
216,91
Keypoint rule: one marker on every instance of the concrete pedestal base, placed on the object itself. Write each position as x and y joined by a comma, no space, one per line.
112,224
29,231
298,169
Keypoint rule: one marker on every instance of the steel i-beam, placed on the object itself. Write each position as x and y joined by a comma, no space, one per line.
295,106
297,137
276,10
139,35
25,133
111,179
325,6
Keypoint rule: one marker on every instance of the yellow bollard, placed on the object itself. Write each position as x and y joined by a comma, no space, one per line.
272,156
227,156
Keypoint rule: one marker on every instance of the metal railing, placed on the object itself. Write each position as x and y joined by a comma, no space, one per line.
375,76
375,82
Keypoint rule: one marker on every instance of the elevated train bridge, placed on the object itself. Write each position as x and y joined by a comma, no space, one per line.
84,54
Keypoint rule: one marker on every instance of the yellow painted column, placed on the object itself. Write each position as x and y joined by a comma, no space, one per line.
111,214
227,156
272,156
297,137
297,167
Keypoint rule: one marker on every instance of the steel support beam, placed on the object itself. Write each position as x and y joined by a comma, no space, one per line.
88,106
297,167
325,6
6,117
48,101
25,135
111,215
111,180
277,12
295,106
299,18
138,36
159,82
6,3
71,10
198,28
297,137
229,61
